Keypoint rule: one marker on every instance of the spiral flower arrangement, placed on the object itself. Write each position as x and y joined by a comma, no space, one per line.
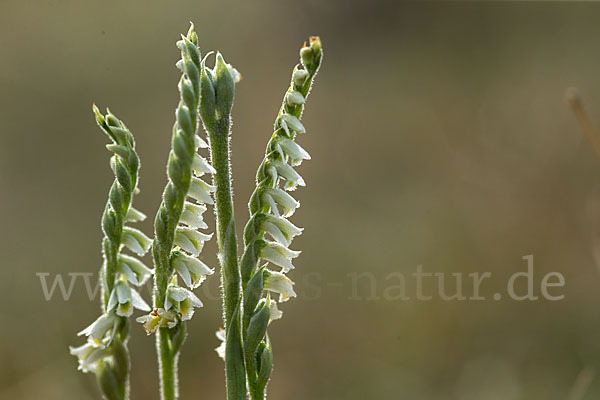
105,352
177,241
206,95
268,234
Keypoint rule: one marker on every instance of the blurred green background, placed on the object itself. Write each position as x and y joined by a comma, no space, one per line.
439,136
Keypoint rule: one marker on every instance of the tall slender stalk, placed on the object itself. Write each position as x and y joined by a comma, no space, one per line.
173,304
207,93
105,352
268,233
218,89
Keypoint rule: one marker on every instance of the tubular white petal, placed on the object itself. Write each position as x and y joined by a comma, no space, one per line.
299,76
271,202
279,255
138,302
186,310
156,319
290,175
274,312
125,270
197,209
235,74
125,309
287,202
191,240
279,283
294,151
199,142
134,215
272,171
100,327
176,293
275,233
183,271
88,356
123,292
201,166
182,300
293,123
221,348
136,241
201,191
194,300
192,215
197,267
91,362
288,229
141,271
185,243
294,98
112,300
191,268
192,220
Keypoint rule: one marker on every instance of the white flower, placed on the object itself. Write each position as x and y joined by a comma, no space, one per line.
292,178
299,76
102,330
191,270
293,151
136,241
275,197
181,301
201,166
279,255
199,143
294,98
201,191
88,355
134,215
125,299
290,121
279,283
158,318
136,272
192,215
235,74
190,240
221,348
274,312
282,230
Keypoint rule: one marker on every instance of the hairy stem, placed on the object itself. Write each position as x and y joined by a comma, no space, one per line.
167,365
230,273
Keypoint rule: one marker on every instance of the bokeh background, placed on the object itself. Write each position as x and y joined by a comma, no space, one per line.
439,136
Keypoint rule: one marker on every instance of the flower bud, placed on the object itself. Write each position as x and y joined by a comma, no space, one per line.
299,77
294,98
290,121
224,88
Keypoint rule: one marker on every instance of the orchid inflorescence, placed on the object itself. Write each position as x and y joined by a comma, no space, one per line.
206,95
105,352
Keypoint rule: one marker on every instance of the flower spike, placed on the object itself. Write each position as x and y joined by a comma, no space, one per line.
105,352
270,205
177,241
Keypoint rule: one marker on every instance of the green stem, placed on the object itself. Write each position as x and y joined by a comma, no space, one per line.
166,356
167,365
230,272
